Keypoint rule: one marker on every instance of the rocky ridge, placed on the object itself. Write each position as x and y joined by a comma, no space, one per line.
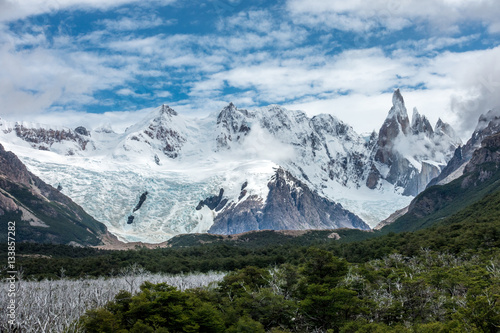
183,163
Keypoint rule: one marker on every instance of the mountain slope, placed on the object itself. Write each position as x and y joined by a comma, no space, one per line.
41,213
180,161
481,178
487,125
409,156
290,205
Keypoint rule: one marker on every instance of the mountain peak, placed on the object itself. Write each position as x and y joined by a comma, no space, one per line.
415,117
167,110
398,109
443,128
485,119
230,113
397,99
420,124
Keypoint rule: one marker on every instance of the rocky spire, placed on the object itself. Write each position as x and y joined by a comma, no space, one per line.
398,103
443,128
420,124
396,123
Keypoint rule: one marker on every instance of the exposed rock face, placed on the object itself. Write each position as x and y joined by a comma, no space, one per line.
169,138
373,178
215,202
290,204
418,181
488,124
82,131
395,124
159,134
232,126
403,153
420,124
141,201
485,160
41,212
43,139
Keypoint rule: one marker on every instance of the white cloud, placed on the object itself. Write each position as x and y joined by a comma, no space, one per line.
11,10
359,15
136,23
33,79
256,58
117,120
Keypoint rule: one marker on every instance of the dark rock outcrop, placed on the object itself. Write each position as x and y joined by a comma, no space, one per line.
41,212
488,124
373,178
141,201
232,125
42,138
82,131
290,204
211,202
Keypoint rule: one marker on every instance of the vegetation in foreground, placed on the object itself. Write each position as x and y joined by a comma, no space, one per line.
445,278
430,292
56,305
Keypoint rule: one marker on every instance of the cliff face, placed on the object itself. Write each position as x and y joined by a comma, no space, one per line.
488,124
409,156
290,204
396,124
41,213
481,176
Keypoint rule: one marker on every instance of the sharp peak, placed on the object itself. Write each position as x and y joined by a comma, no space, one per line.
416,114
165,109
398,106
228,109
485,119
230,106
397,98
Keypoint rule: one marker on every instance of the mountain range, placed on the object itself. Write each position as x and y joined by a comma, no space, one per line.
238,170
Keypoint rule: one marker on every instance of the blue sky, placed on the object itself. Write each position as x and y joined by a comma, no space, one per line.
63,59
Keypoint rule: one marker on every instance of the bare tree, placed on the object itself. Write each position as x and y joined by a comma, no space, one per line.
56,305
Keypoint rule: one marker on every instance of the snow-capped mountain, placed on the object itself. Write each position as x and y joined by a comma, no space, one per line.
238,170
410,156
488,124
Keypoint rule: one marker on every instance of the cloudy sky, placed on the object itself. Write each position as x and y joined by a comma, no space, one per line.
87,60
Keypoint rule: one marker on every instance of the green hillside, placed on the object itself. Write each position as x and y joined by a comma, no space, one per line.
440,202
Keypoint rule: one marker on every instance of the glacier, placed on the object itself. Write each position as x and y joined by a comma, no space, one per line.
182,160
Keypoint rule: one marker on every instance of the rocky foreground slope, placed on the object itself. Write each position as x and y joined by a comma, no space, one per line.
41,213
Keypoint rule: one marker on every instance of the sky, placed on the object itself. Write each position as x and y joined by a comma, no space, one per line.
96,62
